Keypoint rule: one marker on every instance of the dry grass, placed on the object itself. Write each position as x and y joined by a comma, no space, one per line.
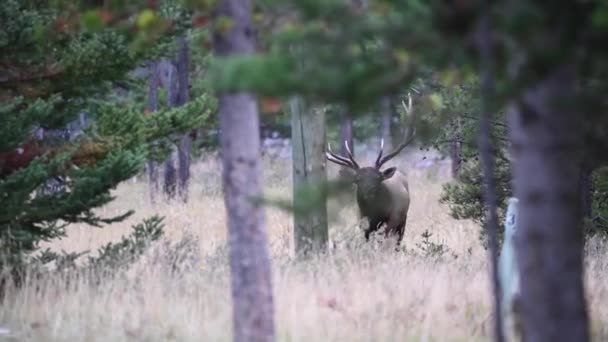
359,292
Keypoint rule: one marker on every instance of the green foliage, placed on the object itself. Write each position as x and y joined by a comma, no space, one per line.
332,52
458,120
599,220
156,132
309,196
432,249
55,69
466,197
115,256
111,257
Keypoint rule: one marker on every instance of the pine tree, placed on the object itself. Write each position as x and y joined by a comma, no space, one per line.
57,63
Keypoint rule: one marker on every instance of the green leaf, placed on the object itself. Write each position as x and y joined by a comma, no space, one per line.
600,17
91,20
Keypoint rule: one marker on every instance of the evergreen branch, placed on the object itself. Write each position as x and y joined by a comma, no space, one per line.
29,78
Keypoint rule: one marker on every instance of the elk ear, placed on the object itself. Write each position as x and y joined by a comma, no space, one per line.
388,173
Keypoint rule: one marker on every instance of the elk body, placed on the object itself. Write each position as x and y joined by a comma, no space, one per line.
383,196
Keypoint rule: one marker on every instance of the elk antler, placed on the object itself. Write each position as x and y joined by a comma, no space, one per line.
409,137
350,154
350,162
381,151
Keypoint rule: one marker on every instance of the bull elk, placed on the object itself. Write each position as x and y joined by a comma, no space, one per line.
383,196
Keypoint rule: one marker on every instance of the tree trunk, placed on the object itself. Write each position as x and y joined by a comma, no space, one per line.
182,97
487,161
308,144
346,133
169,80
547,147
387,118
456,160
456,152
253,308
170,176
154,83
184,151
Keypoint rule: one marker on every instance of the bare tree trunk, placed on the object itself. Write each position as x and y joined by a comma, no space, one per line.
308,143
456,153
456,159
346,133
387,118
154,83
182,97
487,161
169,80
253,308
170,176
547,147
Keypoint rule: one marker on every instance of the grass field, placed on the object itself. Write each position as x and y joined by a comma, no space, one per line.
359,292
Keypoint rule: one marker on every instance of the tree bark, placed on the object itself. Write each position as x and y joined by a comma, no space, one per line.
346,133
308,144
547,147
253,311
154,83
487,160
456,159
169,80
387,118
170,176
456,152
182,97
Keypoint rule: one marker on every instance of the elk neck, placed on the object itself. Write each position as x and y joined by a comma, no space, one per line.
375,199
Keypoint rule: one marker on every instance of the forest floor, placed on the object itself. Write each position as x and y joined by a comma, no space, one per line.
437,290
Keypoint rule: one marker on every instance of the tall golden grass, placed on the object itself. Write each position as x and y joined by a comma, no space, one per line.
180,289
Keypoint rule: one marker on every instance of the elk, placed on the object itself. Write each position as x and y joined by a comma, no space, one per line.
383,196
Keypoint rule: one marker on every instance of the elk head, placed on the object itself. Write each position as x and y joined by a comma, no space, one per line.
366,178
370,177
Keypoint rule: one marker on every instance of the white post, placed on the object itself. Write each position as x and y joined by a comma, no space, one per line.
509,275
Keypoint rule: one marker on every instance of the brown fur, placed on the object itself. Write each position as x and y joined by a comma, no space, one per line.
383,196
385,202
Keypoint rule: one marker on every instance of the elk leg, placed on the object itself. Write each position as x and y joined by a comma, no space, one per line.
396,229
391,228
367,234
400,232
373,226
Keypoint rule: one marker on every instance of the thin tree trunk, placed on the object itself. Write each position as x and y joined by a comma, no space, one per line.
170,176
169,81
153,179
154,83
387,118
182,97
253,308
308,143
346,133
487,161
184,160
547,147
456,152
456,158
